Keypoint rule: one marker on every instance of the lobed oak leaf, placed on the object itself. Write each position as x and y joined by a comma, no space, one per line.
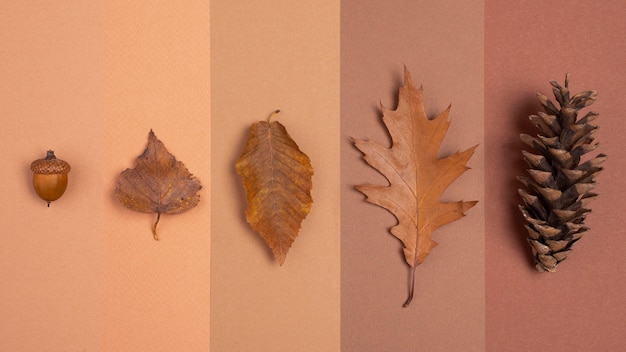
158,184
417,177
276,176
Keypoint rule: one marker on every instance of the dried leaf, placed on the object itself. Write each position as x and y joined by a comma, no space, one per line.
158,183
416,175
277,178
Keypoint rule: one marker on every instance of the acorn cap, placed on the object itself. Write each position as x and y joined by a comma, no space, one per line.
50,165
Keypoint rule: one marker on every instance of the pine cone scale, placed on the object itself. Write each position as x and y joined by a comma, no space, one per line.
557,246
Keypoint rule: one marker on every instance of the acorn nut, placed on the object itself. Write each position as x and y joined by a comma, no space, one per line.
50,177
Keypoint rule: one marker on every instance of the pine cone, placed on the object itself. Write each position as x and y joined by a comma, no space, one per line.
559,187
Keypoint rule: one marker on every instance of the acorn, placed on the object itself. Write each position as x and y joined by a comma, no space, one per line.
50,177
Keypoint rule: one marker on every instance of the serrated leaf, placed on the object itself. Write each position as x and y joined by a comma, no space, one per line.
417,177
158,183
276,176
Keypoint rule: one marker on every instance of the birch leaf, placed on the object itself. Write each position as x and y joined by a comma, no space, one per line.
158,184
276,176
417,177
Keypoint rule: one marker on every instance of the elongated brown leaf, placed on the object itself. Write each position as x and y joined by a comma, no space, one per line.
277,178
158,184
416,175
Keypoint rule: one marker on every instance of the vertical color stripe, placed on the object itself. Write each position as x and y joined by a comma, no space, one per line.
441,43
581,306
156,295
265,56
50,98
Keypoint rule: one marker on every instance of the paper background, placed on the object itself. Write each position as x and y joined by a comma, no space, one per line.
90,80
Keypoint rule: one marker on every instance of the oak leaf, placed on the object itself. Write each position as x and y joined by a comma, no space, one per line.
276,176
417,177
158,184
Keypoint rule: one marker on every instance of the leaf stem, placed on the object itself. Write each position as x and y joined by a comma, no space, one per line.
154,233
274,113
411,288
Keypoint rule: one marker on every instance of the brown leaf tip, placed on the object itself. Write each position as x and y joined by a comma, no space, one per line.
408,81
